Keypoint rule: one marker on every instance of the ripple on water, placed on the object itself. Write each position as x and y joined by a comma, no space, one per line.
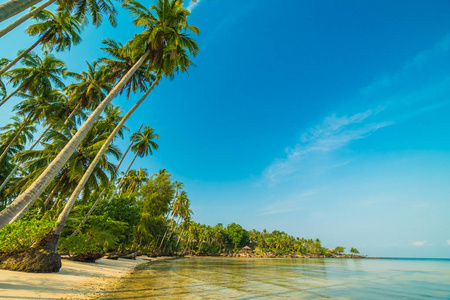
228,278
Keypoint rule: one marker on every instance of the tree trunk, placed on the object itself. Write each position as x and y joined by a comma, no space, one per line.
10,95
20,56
70,203
122,179
14,7
106,188
52,193
40,184
25,17
16,136
18,165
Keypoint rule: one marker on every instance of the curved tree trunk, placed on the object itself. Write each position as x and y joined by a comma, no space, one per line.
10,175
107,186
14,7
10,95
70,203
122,179
25,17
16,136
40,184
20,56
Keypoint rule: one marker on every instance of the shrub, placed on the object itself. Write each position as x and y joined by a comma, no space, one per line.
23,234
77,244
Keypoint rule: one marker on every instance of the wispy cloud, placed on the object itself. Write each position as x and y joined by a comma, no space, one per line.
442,47
448,242
293,204
193,4
419,243
332,134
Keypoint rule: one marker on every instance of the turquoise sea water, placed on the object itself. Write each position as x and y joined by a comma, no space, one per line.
228,278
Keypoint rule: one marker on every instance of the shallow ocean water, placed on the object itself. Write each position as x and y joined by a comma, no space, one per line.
234,278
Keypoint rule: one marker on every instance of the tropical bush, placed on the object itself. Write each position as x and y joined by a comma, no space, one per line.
23,234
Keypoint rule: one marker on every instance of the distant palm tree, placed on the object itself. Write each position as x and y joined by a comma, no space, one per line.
56,31
39,74
143,146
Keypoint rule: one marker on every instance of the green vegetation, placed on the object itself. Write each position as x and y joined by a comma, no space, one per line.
64,192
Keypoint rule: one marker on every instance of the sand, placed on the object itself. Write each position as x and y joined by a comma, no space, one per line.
75,280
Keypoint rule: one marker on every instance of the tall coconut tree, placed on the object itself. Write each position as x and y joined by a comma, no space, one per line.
91,210
35,107
3,62
56,31
54,116
120,61
55,140
90,88
168,29
38,74
13,7
82,9
143,146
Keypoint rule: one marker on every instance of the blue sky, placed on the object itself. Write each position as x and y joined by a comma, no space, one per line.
320,118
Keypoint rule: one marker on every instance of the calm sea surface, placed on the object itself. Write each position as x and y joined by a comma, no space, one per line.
222,278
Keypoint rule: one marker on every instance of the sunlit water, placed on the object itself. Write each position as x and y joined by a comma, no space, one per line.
225,278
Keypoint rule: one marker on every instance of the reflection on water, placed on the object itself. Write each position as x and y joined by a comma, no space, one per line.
225,278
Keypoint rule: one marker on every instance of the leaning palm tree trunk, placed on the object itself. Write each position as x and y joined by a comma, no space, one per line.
34,145
25,17
40,184
20,56
16,136
14,7
122,179
10,95
106,187
53,243
18,165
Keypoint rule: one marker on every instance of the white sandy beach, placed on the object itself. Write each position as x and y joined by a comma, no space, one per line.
75,280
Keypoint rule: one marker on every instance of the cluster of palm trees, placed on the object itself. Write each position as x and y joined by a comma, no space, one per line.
213,240
73,156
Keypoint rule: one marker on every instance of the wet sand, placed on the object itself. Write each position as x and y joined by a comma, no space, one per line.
75,280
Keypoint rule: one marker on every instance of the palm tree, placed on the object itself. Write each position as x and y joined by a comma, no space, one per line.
19,129
121,62
3,62
93,85
39,74
167,30
78,164
143,146
91,210
35,107
11,8
58,31
96,8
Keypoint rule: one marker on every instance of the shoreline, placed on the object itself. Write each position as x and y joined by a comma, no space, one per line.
81,280
75,280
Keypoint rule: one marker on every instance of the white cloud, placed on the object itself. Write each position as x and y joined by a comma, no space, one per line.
193,4
332,134
419,243
293,204
448,242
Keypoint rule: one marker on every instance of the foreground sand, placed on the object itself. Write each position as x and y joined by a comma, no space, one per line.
75,280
